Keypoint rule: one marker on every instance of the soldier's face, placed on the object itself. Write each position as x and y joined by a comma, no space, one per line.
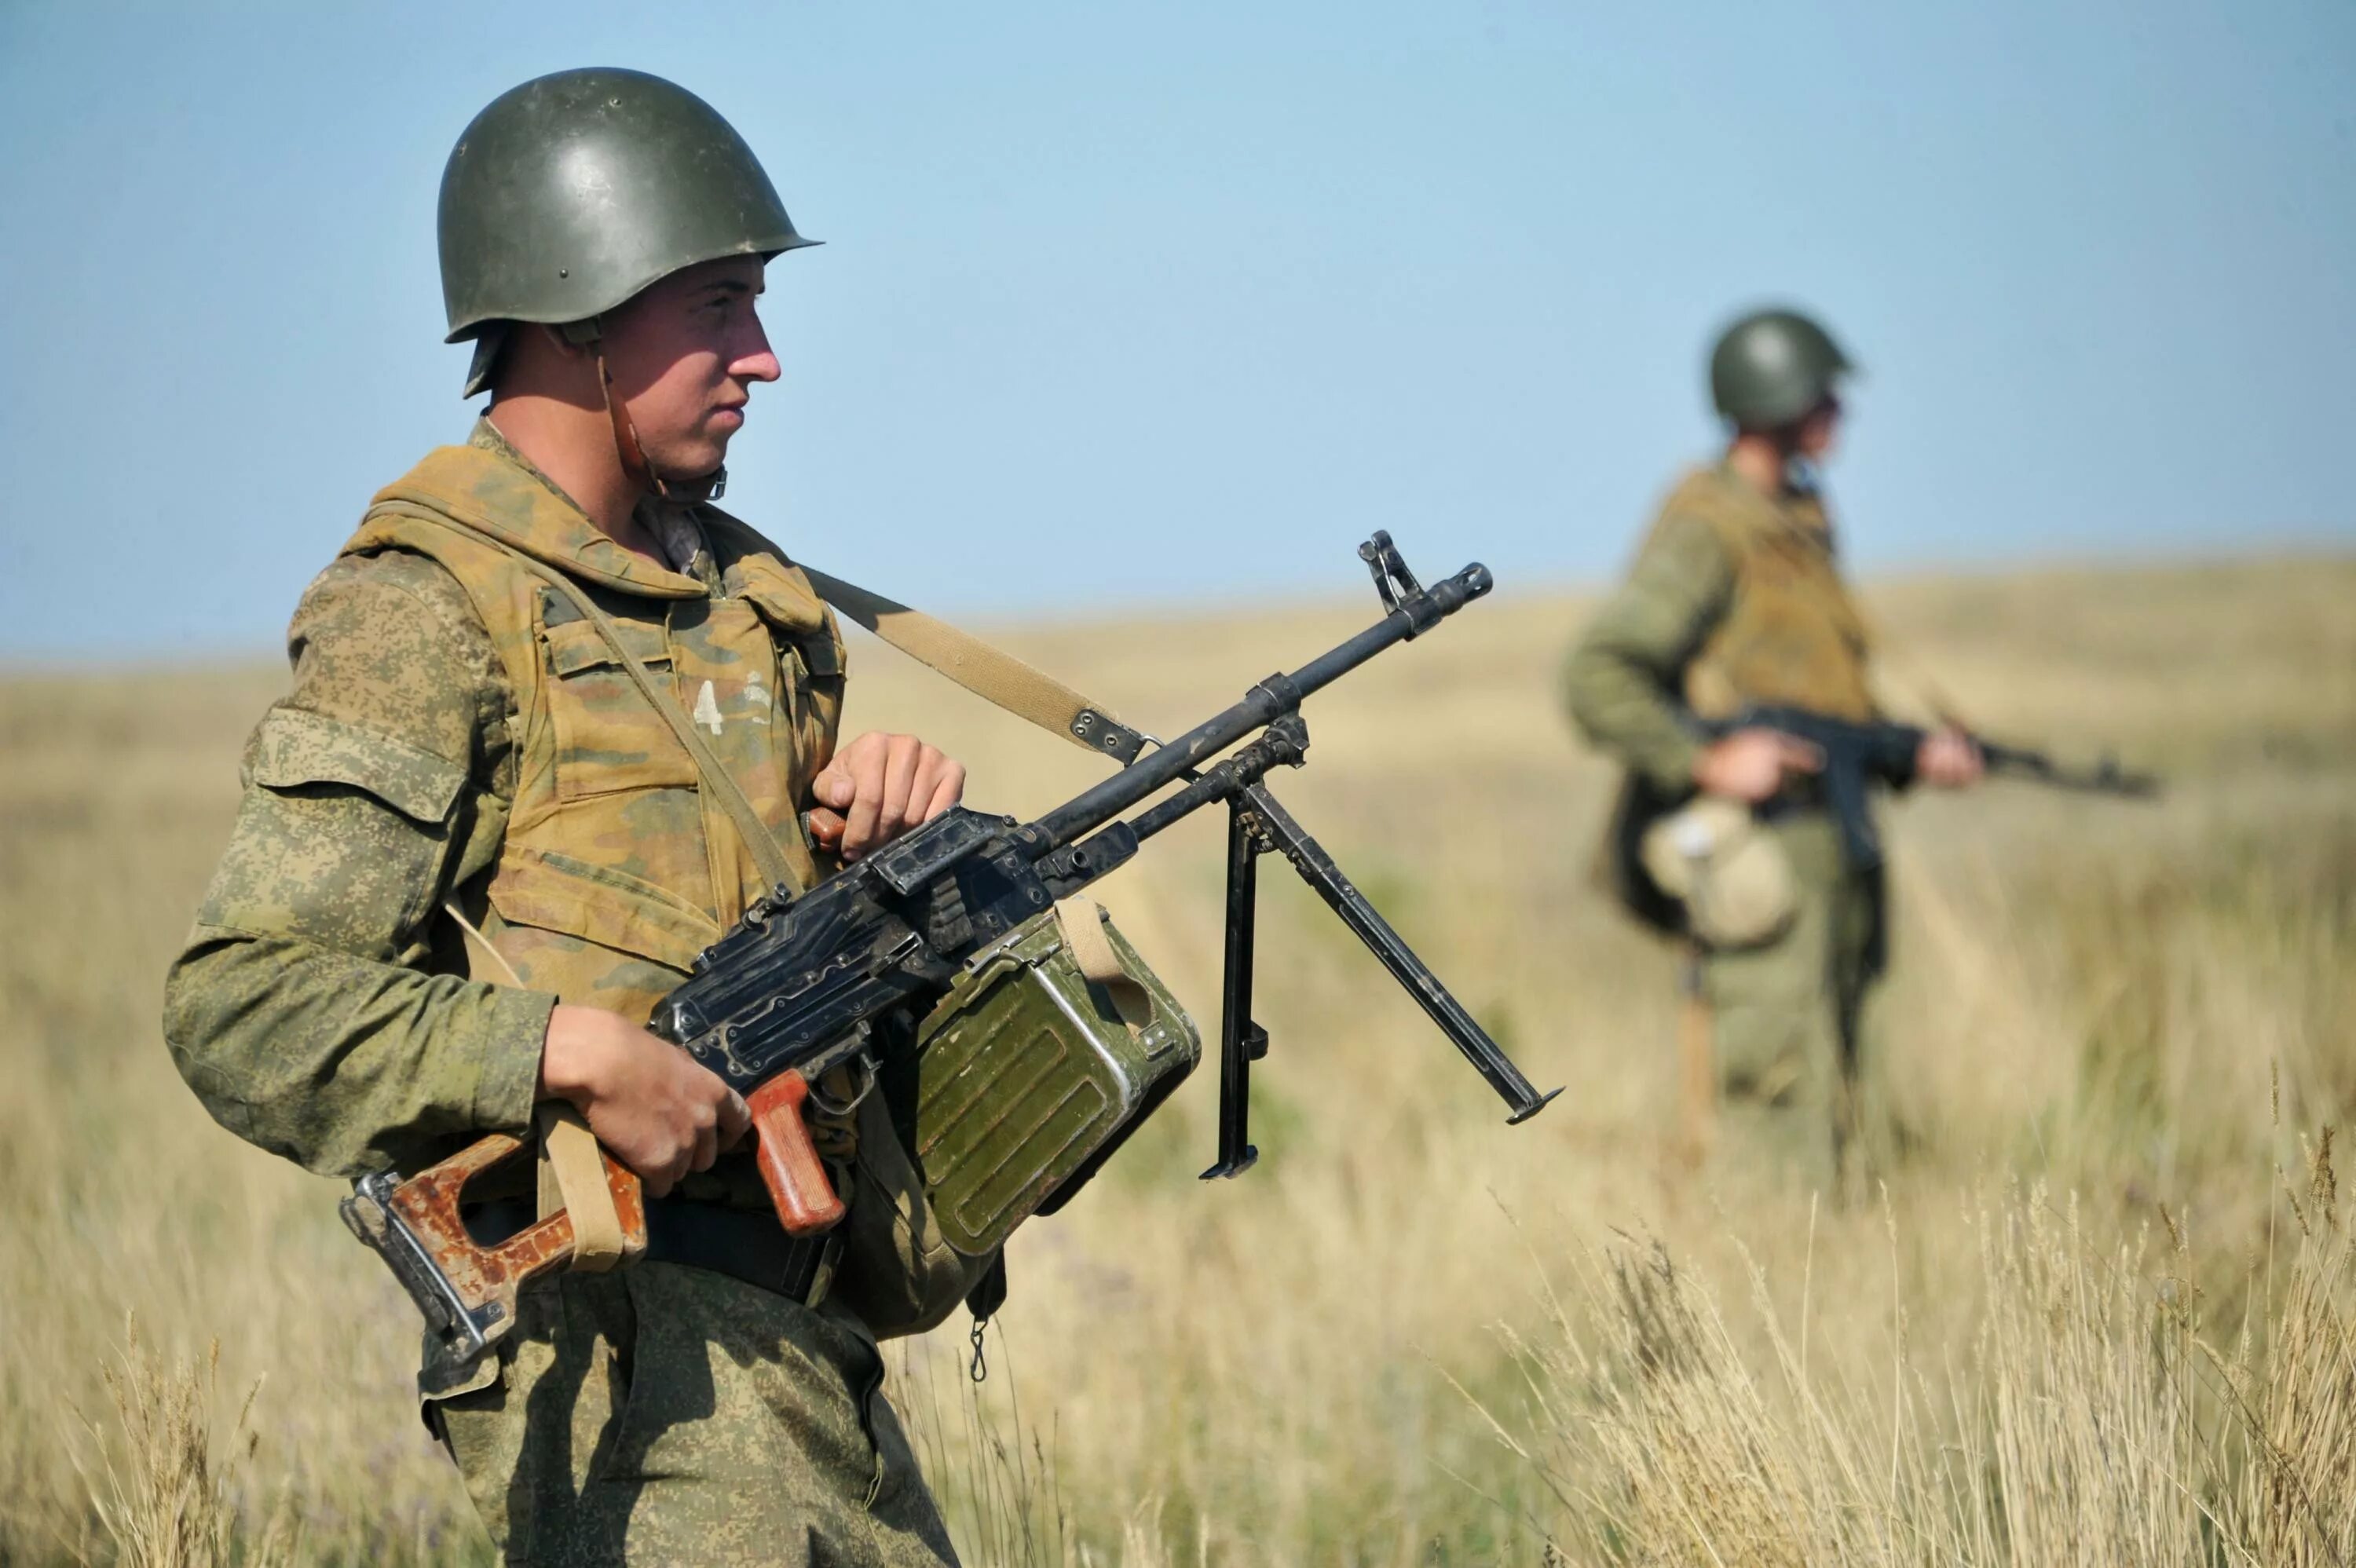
684,354
1819,433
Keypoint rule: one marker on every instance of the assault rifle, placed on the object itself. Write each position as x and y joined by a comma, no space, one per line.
1859,754
810,982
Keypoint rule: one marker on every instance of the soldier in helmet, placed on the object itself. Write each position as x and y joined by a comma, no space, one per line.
473,853
1736,599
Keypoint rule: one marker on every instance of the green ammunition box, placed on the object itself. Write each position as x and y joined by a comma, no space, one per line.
1053,1045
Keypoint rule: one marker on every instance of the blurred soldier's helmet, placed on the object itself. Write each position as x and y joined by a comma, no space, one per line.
1771,368
570,194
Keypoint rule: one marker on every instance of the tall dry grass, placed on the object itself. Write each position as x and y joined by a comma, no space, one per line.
2095,1416
2083,1321
165,1485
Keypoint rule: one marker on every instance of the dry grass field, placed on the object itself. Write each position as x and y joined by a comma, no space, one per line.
2099,1312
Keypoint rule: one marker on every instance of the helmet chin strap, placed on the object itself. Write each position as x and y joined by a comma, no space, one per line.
626,434
590,334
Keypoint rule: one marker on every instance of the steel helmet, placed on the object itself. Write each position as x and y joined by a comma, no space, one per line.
570,194
1771,366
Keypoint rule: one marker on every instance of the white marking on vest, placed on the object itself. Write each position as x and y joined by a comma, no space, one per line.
707,709
756,700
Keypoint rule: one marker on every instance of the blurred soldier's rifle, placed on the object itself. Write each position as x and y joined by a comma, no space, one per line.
1857,755
1854,757
833,977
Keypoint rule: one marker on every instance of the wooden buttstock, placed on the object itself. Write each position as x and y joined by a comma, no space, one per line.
806,1200
489,1275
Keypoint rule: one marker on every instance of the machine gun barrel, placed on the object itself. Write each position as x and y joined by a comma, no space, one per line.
2105,777
1415,611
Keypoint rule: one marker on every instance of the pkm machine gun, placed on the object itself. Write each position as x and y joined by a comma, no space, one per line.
855,973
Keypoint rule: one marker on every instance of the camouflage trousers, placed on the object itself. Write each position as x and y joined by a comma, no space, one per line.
1788,1022
664,1414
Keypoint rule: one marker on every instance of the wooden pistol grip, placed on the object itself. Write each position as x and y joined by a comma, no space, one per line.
806,1200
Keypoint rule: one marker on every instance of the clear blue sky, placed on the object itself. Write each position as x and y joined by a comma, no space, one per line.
1137,304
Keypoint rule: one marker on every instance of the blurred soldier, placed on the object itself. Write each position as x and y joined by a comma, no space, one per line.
473,854
1736,599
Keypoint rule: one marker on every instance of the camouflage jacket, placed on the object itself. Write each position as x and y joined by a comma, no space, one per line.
461,743
1735,597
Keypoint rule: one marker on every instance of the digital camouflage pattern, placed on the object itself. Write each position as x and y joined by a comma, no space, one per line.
1736,598
669,1416
452,737
458,736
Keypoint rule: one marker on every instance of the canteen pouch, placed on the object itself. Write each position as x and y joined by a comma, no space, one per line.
1053,1045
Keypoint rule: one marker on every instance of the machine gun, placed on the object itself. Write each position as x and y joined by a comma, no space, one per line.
1859,754
857,968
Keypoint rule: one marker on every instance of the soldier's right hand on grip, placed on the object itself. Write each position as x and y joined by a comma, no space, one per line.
660,1111
806,1200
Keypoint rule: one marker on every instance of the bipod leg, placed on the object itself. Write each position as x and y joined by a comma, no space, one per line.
1242,1041
1318,870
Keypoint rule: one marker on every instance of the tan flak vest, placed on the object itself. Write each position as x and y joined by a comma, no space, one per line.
1791,634
616,868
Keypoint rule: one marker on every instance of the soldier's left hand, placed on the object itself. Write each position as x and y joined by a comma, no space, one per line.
878,787
1949,759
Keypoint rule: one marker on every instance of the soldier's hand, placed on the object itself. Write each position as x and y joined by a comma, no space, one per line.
658,1110
878,787
1751,764
1949,759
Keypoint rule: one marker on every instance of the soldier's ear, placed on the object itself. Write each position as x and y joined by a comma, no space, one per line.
574,339
542,359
